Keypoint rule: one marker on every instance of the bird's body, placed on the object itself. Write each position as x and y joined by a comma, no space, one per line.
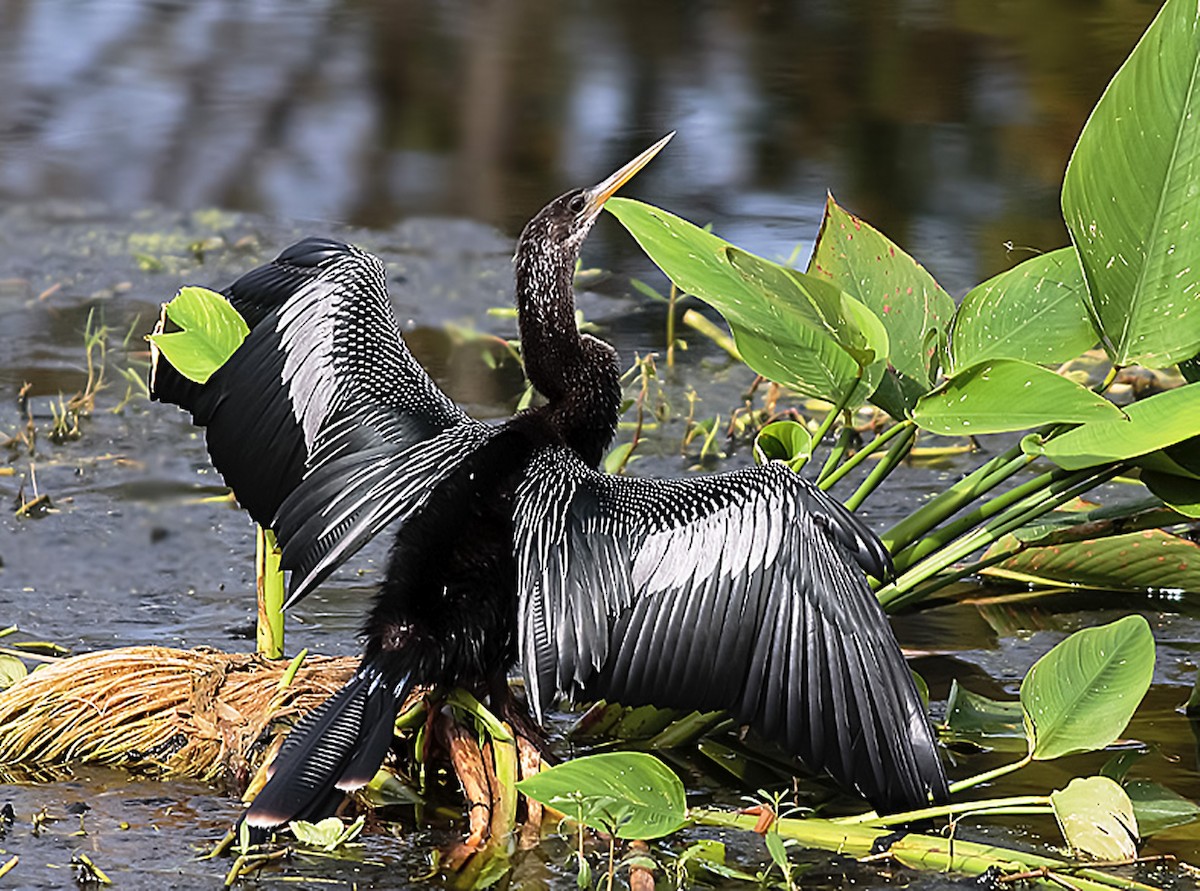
743,591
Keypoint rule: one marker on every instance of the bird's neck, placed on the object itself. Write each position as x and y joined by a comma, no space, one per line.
579,376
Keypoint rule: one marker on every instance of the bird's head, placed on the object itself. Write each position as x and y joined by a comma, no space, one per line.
559,228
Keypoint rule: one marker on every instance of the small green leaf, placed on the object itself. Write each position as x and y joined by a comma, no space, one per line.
1002,395
974,714
211,331
325,835
1158,808
630,793
1034,312
783,441
12,670
777,851
1096,818
1080,696
1150,424
618,457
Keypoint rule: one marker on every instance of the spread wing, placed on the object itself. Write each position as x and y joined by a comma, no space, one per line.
743,591
322,422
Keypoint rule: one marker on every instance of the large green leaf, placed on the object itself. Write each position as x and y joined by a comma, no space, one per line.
211,331
1080,696
1150,424
1137,561
790,337
1129,196
1035,311
1157,807
867,265
1000,395
1096,818
630,793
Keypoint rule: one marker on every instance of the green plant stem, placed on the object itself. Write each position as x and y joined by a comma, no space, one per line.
980,481
269,630
672,298
469,705
902,590
895,454
831,416
924,851
988,775
1025,804
940,537
699,322
837,453
828,482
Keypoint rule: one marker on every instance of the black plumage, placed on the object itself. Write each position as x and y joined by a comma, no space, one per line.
744,591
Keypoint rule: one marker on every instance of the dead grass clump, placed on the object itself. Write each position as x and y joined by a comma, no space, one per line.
197,713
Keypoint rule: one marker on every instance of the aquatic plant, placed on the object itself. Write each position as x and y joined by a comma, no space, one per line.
865,324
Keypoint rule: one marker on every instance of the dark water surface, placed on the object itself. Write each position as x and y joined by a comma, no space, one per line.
428,133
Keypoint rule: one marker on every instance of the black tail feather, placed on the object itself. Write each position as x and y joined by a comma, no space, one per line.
335,749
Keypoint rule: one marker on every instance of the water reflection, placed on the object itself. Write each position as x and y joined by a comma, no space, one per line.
945,122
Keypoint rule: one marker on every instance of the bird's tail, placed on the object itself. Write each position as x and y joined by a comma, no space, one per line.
335,749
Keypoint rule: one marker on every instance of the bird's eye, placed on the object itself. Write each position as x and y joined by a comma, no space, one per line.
575,205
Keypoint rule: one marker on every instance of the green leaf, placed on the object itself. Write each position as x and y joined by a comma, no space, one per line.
1157,807
868,266
1080,696
1136,561
1178,492
1150,424
1007,394
1096,818
1035,311
618,457
211,332
630,793
783,441
12,670
326,835
1129,197
777,851
973,714
791,328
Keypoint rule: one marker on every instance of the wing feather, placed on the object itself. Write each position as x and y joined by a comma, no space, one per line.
743,591
322,422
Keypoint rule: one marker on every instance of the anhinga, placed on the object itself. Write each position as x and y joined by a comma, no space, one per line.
743,591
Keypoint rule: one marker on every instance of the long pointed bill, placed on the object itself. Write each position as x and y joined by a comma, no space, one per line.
601,192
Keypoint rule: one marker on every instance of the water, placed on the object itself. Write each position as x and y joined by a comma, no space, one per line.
429,133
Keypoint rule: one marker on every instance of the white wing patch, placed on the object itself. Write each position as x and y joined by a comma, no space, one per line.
306,330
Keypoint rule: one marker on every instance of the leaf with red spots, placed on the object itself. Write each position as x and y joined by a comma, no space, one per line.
1137,561
915,311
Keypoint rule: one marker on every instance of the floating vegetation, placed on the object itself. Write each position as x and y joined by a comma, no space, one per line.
194,713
